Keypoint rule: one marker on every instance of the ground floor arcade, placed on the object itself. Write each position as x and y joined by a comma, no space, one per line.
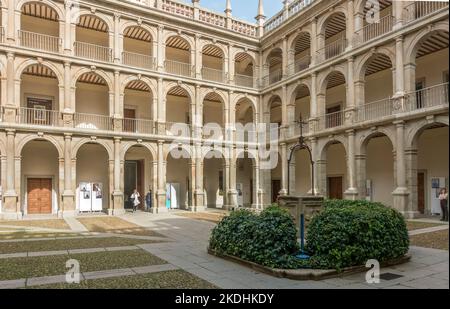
402,165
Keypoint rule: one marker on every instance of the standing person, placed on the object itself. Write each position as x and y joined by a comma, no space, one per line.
148,200
443,198
135,199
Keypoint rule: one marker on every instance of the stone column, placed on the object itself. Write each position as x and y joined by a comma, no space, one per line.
285,57
232,193
160,54
198,60
68,196
11,208
67,39
118,202
315,156
397,12
401,193
11,29
399,67
161,194
284,167
411,157
117,48
230,64
350,93
352,192
360,162
350,27
313,41
11,104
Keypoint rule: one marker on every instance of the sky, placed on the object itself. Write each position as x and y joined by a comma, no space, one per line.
242,9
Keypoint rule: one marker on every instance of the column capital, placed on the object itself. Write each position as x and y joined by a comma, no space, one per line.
117,139
350,132
399,123
68,136
399,38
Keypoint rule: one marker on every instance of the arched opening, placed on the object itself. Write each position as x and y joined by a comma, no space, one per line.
274,66
380,177
302,52
302,99
178,56
332,40
139,171
39,27
92,178
302,165
378,88
92,39
137,48
244,67
335,101
245,180
179,180
213,64
275,110
430,169
92,102
213,116
276,180
39,96
178,104
429,78
138,108
40,178
373,21
333,170
245,119
214,179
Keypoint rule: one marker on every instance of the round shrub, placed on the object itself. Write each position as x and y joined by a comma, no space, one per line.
348,233
268,239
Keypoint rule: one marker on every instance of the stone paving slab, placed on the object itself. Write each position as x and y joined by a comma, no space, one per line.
153,269
13,255
428,230
108,273
46,280
12,284
47,253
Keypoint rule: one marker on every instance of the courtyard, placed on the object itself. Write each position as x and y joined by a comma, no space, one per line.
145,251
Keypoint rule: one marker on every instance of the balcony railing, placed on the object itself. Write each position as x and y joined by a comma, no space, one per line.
142,126
212,18
93,122
244,80
272,77
427,97
92,51
375,110
138,60
332,49
177,8
213,75
39,41
39,117
331,120
374,30
178,68
300,64
419,9
293,9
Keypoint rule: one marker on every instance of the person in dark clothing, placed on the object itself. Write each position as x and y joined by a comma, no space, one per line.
148,200
443,198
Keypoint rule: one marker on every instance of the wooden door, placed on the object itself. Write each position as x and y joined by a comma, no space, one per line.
276,187
39,195
335,190
129,124
421,192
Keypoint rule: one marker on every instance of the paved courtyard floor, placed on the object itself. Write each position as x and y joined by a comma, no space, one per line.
177,247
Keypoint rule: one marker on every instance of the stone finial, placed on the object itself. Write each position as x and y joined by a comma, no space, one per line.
260,11
228,9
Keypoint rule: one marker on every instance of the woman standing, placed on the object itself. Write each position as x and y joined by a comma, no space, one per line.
443,198
135,199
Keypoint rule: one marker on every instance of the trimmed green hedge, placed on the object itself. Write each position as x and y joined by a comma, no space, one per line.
268,239
348,233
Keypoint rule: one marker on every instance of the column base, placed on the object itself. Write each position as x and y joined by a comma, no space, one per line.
68,202
159,210
351,194
410,214
199,199
118,206
67,214
197,208
10,201
232,199
11,216
401,199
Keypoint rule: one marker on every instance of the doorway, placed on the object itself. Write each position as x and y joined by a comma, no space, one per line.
421,192
335,188
39,195
134,173
276,188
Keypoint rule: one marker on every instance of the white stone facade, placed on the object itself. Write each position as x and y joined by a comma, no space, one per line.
114,76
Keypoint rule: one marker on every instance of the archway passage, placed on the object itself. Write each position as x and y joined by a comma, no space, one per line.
333,36
92,39
40,178
428,83
380,178
431,170
178,57
302,99
39,93
274,66
179,180
302,172
244,68
138,174
302,52
213,116
137,46
333,170
245,180
92,178
138,108
39,27
214,179
92,102
213,64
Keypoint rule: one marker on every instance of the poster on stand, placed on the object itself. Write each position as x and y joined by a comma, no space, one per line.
97,197
85,197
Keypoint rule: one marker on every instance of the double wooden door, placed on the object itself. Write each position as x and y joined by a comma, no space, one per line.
39,195
335,188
